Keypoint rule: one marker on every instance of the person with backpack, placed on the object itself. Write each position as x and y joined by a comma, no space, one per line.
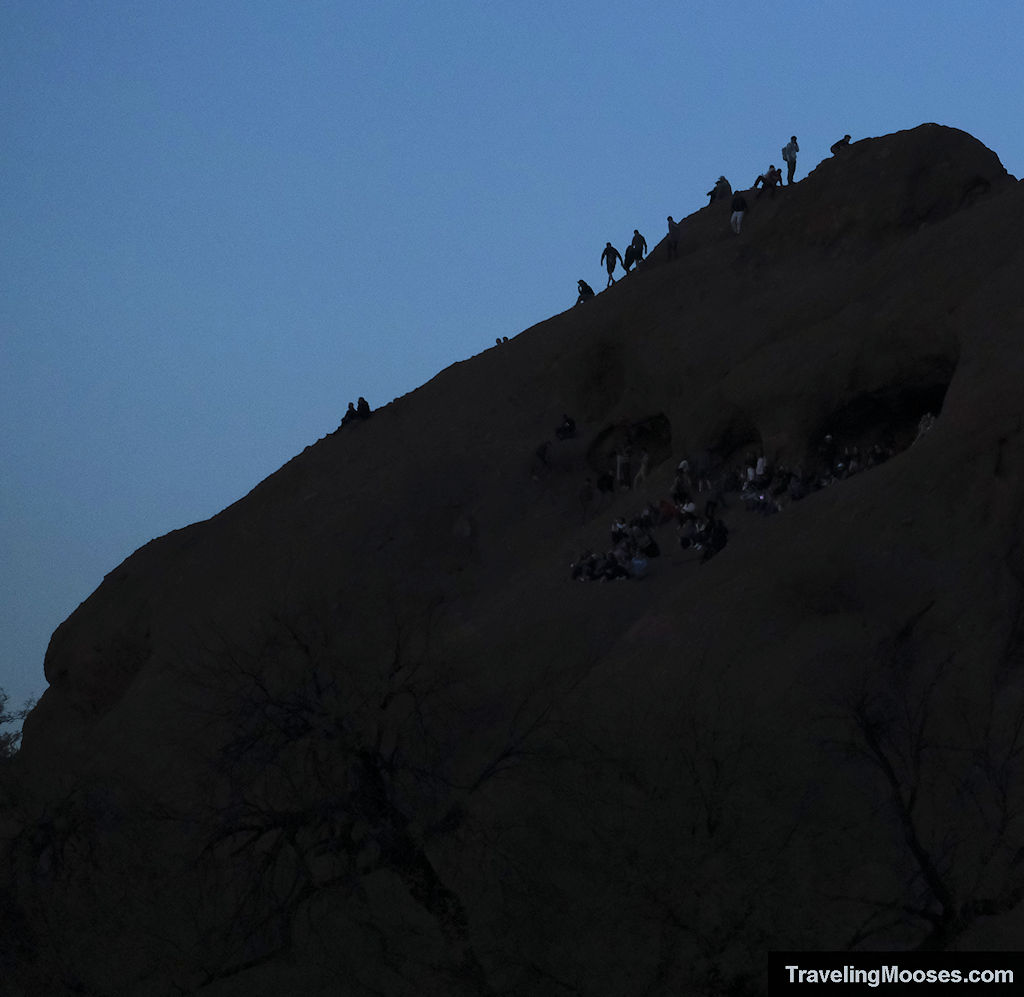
789,152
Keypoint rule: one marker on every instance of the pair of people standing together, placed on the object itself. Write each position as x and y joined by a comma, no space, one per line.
634,254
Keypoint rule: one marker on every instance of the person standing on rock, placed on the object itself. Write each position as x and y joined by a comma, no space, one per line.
610,257
673,239
789,152
639,245
739,206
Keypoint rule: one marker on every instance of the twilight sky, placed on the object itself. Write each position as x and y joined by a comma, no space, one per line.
224,219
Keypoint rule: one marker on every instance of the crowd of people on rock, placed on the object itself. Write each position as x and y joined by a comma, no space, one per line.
633,543
759,486
770,180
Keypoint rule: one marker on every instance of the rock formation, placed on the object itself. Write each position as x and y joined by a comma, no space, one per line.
361,734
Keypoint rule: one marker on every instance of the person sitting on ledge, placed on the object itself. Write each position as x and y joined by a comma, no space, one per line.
586,291
721,191
769,180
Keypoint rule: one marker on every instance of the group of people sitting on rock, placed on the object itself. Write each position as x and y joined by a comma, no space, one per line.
767,489
356,410
633,544
632,547
761,487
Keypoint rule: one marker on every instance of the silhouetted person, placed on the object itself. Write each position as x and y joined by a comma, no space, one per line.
838,147
586,291
721,191
639,245
739,207
789,152
363,408
673,238
351,415
768,180
630,258
609,257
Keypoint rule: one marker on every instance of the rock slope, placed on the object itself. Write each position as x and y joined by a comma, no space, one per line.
359,733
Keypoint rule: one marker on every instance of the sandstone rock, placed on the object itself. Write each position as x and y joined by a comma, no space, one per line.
360,732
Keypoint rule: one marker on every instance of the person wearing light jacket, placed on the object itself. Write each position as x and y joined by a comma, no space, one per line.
789,152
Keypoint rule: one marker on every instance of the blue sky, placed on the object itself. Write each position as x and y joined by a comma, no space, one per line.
224,219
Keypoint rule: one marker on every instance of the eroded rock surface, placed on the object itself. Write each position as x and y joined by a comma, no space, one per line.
359,733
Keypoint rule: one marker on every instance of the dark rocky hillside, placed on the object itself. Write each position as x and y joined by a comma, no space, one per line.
360,733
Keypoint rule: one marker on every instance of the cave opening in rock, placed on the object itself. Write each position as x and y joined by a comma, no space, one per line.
652,433
890,417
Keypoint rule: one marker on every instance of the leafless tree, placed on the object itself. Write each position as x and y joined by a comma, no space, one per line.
11,739
941,756
332,771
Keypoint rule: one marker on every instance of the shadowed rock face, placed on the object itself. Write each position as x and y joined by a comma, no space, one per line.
360,733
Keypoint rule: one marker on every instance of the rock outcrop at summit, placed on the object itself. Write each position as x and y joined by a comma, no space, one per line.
360,732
